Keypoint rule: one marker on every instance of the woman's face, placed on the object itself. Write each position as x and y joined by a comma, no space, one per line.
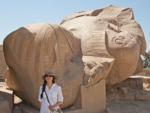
49,79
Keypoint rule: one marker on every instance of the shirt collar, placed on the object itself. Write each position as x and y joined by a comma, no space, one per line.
51,87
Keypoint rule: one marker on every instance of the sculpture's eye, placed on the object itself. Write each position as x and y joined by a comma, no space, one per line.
119,40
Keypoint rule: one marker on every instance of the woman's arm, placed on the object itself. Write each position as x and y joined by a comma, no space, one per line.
55,105
59,99
39,97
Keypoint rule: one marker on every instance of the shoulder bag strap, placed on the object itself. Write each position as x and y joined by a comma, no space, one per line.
47,97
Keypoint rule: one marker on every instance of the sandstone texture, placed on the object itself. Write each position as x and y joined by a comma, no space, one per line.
130,96
3,66
86,51
6,99
110,31
33,50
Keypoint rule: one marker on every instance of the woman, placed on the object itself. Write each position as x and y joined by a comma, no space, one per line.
50,95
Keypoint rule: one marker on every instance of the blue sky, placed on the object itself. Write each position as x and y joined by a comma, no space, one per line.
17,13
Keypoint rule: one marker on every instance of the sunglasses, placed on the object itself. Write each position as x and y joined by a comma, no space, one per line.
49,76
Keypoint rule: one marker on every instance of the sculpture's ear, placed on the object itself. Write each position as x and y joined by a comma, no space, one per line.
126,15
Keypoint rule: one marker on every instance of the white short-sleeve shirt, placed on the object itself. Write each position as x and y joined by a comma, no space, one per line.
54,94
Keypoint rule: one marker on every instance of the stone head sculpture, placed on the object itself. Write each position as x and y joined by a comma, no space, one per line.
110,32
84,49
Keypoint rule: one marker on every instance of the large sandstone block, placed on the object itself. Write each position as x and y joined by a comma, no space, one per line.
33,50
110,31
3,66
28,109
97,45
6,100
93,99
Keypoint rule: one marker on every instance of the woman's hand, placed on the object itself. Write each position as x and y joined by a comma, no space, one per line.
51,107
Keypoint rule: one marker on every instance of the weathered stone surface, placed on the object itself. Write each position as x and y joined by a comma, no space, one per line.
24,108
32,50
28,109
134,88
111,31
4,106
96,69
3,66
129,96
103,44
128,107
92,100
139,67
6,99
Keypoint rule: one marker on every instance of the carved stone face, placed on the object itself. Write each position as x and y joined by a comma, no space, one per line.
104,35
124,39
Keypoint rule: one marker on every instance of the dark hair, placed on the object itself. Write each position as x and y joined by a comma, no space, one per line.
45,82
